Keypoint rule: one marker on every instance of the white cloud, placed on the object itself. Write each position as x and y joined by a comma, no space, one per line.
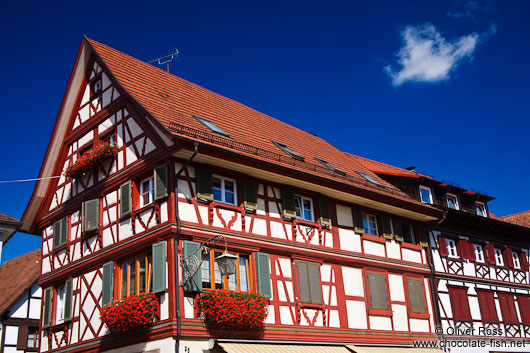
426,56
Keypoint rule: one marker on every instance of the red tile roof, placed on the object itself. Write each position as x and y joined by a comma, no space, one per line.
386,169
17,275
8,219
174,101
520,219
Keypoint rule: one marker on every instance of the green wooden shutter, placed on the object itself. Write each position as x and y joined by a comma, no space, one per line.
159,267
314,282
204,185
108,283
191,248
161,181
250,193
382,291
358,220
68,291
423,235
57,234
375,301
125,199
47,311
325,215
421,299
413,296
263,274
387,228
398,228
90,215
64,230
304,288
288,209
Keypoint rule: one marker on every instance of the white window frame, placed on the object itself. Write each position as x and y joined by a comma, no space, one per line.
451,248
151,191
455,198
516,261
483,208
59,308
366,217
430,194
499,258
223,189
479,253
301,200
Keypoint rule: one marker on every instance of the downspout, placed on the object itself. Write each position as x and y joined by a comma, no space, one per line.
434,290
176,243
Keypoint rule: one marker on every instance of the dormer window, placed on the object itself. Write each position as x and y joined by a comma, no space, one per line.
425,194
288,151
480,209
330,166
369,178
211,126
452,201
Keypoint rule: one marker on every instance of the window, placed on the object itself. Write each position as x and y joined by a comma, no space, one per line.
331,167
487,306
211,275
146,191
451,248
498,257
136,276
480,209
452,201
459,303
408,233
95,86
479,252
369,224
288,151
33,338
304,208
109,139
211,126
416,295
516,260
309,287
369,178
224,190
60,232
378,291
425,194
59,306
524,308
507,304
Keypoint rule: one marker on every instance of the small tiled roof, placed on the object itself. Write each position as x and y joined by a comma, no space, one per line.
8,219
386,169
521,218
17,275
174,101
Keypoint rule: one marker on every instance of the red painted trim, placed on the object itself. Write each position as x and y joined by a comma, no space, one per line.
411,246
373,238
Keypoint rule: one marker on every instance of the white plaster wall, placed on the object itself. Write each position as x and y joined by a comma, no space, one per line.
395,284
166,345
399,317
380,323
411,255
349,240
373,248
353,281
393,250
356,314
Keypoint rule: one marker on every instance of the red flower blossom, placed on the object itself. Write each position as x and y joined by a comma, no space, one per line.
90,159
131,313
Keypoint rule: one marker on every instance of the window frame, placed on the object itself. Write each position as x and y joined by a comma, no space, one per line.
223,180
212,126
412,235
330,166
451,247
429,189
463,298
301,200
312,302
60,302
499,257
516,260
151,192
482,207
378,311
481,258
449,196
282,146
422,295
225,280
370,179
365,217
36,338
118,269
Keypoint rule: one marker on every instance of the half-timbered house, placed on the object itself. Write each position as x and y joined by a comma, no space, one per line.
480,261
319,234
8,227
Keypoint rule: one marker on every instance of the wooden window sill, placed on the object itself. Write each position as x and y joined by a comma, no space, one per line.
374,238
380,312
419,315
411,246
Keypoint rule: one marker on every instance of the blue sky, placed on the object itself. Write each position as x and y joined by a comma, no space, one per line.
442,85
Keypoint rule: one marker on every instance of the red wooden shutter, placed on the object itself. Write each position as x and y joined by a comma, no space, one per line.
490,252
508,257
524,308
524,261
442,246
459,303
487,306
471,249
464,250
507,304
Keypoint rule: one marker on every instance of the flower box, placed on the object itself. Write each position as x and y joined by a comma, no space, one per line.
132,313
231,310
89,159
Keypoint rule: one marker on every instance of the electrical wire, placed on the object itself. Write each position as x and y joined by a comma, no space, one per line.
23,180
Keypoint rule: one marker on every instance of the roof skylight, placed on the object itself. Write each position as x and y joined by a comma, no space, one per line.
330,166
369,178
287,150
211,126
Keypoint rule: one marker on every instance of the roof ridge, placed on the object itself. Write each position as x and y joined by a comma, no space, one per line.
515,214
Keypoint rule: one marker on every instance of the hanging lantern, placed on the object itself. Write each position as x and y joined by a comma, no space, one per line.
227,263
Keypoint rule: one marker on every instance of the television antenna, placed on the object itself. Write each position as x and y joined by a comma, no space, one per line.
165,59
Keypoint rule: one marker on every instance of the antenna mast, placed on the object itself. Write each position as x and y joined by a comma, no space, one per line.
165,59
